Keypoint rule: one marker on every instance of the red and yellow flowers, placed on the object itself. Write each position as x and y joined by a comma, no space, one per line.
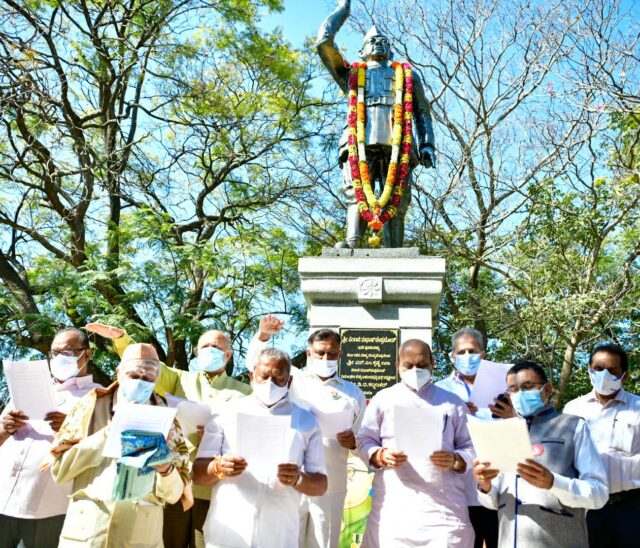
377,211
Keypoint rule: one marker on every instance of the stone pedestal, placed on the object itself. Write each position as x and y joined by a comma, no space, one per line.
373,288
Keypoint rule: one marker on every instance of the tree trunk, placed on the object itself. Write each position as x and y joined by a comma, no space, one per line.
567,369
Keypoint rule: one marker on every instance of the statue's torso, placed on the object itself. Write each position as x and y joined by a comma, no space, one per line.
379,98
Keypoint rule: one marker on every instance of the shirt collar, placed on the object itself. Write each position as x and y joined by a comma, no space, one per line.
212,381
75,382
457,377
621,396
331,380
423,389
548,408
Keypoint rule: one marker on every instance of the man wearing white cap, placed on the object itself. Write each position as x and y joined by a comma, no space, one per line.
94,518
205,382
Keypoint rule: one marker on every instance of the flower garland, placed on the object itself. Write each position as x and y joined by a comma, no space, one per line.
377,211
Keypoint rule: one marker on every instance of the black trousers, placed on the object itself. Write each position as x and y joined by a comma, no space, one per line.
184,529
30,533
616,525
485,526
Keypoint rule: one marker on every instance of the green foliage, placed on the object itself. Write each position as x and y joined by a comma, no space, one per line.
152,163
164,167
567,280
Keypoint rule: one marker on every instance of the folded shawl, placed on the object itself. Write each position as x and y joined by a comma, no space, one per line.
76,427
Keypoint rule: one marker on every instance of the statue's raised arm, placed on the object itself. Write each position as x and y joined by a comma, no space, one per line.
388,133
326,47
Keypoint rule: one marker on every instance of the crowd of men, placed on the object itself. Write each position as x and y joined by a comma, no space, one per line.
57,488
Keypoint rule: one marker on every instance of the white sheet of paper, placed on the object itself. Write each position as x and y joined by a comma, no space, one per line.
173,401
331,424
31,387
490,381
261,440
418,431
503,443
191,415
131,416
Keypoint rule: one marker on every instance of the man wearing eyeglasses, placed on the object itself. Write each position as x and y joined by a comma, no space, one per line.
544,504
32,505
613,415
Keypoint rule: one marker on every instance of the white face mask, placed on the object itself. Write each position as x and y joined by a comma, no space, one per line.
322,368
64,367
269,392
416,377
604,382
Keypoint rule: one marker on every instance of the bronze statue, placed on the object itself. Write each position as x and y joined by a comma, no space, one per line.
379,105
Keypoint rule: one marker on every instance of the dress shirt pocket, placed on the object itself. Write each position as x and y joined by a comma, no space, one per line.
557,511
625,433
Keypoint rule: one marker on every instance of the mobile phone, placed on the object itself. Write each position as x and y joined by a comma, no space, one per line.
504,399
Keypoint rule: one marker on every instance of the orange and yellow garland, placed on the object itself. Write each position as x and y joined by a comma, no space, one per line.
377,211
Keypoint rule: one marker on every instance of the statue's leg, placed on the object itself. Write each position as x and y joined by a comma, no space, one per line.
355,224
394,230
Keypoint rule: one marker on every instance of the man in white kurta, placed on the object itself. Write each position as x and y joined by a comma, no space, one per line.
252,507
416,503
320,390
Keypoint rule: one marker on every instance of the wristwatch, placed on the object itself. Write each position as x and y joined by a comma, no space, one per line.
457,463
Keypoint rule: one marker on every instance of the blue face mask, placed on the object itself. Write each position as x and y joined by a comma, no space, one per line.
136,390
527,402
468,364
209,359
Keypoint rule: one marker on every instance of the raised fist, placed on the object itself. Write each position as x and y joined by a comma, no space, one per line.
106,331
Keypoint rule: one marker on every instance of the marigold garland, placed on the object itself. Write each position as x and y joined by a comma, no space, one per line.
377,211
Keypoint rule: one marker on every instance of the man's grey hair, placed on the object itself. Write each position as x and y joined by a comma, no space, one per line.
467,332
277,354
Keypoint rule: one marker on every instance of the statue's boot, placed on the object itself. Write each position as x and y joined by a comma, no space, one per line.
355,227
